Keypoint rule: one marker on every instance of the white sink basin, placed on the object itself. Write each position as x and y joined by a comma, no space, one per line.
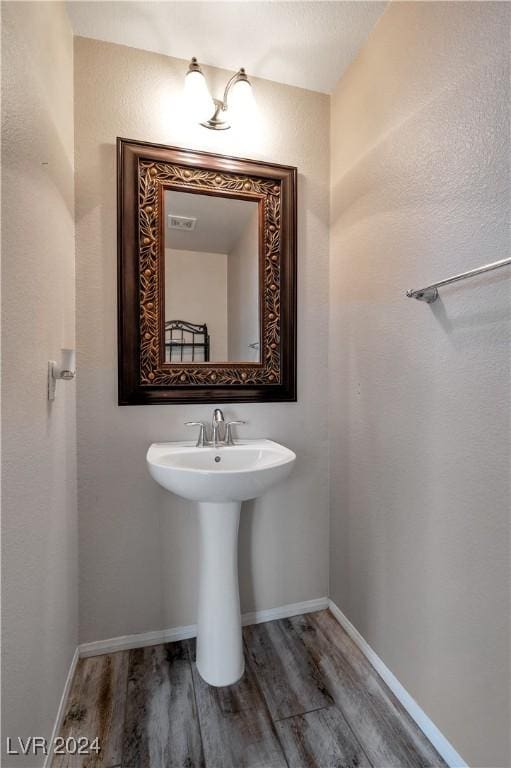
234,473
219,479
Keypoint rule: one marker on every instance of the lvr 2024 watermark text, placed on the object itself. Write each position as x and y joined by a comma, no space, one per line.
38,745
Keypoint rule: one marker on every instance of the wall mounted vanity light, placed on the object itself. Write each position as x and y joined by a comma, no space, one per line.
66,371
238,98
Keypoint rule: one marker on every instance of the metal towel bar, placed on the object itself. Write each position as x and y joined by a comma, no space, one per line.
430,292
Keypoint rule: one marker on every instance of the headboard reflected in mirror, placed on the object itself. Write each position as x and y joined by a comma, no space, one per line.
206,277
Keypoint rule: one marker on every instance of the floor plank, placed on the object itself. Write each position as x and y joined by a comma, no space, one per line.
237,731
289,679
387,733
320,739
96,708
161,728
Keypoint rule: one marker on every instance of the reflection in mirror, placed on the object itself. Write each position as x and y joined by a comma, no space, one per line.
211,279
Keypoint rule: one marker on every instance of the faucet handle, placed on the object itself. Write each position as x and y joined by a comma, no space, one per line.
202,440
228,432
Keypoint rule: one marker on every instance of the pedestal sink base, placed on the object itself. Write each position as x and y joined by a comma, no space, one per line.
219,644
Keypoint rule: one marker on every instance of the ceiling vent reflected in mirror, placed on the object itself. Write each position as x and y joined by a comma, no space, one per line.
185,223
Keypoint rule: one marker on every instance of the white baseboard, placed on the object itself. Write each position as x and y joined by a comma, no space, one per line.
284,611
427,726
62,705
126,642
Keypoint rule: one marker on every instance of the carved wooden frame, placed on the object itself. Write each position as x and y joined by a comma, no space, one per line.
145,171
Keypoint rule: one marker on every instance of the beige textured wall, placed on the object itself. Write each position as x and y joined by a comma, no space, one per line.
138,543
420,394
243,293
39,527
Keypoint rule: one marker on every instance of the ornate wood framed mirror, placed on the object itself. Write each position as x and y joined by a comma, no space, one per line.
206,277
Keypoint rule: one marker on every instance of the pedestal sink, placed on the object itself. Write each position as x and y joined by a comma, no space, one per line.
219,479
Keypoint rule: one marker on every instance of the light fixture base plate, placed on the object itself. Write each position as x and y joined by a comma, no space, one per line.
216,125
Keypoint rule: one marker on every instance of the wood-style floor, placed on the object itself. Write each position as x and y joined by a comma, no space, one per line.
309,698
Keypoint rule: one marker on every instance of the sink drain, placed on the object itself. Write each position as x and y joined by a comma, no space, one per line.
218,458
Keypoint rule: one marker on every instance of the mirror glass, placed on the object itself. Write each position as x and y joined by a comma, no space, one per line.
211,279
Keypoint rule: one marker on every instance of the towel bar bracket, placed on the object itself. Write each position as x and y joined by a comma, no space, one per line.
425,294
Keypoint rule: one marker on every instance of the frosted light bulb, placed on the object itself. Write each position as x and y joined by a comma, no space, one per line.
198,99
68,360
241,102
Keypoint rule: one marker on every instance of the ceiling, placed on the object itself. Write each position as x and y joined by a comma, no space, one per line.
220,221
305,44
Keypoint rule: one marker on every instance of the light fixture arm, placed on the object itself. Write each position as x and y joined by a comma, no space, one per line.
239,75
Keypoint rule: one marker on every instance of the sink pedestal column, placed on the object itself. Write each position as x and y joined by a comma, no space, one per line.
219,645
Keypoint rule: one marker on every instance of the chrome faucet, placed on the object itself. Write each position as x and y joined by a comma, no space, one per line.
202,440
228,440
221,431
217,428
